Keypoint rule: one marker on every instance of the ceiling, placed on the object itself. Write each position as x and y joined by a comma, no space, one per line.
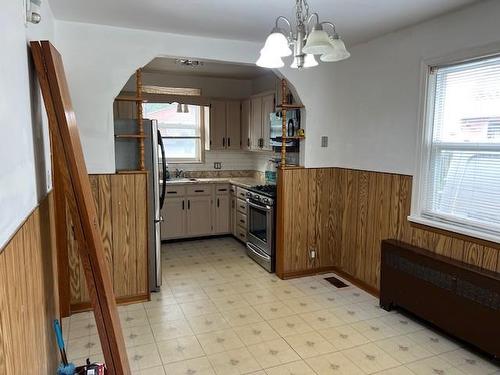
357,20
208,69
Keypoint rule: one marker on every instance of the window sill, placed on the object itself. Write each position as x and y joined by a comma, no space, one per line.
455,229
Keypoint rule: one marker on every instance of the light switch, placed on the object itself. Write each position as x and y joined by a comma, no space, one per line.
324,141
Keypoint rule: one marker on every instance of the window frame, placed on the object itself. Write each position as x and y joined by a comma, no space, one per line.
201,137
424,142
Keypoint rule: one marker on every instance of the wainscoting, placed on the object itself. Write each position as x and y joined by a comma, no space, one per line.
28,296
343,214
121,202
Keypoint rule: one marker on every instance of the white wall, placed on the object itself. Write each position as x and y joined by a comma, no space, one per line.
25,151
211,87
369,105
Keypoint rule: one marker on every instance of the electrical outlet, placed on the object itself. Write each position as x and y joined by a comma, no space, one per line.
312,253
217,165
324,141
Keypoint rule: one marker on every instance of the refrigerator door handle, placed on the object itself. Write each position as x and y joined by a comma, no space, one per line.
164,170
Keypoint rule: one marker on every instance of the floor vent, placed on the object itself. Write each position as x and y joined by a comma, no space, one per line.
336,282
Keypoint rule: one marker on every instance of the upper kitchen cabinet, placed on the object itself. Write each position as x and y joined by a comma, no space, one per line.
225,125
245,124
260,128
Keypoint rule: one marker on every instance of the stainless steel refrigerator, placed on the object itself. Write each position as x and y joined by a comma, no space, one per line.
127,158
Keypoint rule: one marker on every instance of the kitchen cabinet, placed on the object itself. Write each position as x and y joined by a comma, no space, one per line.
225,125
198,216
245,124
239,212
174,218
260,126
222,218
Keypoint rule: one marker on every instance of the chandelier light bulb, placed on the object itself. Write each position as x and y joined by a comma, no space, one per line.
269,60
276,43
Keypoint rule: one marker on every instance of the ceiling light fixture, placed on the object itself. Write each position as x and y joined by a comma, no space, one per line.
306,41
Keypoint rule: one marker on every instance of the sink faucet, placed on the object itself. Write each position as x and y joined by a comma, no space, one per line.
179,173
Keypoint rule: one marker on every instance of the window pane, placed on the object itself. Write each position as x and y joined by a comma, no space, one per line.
172,123
182,148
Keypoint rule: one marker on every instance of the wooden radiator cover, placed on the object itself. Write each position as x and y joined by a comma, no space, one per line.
459,298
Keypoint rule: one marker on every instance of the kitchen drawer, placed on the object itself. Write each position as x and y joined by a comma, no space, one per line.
199,189
241,234
241,193
175,191
241,206
222,188
241,219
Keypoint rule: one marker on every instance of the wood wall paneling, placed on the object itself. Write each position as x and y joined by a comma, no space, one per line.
121,203
344,215
28,296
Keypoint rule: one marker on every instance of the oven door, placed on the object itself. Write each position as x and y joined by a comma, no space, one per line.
260,226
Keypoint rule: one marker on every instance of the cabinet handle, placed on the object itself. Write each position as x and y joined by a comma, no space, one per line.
199,191
189,204
221,189
217,202
228,142
242,221
183,205
248,142
171,192
223,142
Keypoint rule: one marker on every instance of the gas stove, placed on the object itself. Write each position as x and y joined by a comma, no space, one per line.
267,190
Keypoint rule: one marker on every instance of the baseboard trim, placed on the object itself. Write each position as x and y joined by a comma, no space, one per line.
86,306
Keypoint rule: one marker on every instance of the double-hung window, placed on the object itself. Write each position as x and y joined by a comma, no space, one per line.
459,177
182,126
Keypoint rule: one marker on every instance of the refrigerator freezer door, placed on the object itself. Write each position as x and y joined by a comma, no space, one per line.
155,275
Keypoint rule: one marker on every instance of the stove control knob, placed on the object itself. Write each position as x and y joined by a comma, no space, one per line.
265,200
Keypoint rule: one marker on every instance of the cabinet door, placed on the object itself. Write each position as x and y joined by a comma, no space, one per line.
255,123
222,216
234,223
233,125
245,124
267,108
199,216
217,125
174,218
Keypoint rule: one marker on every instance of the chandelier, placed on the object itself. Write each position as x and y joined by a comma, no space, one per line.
304,42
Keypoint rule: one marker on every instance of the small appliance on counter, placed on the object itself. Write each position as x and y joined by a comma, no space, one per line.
292,129
261,225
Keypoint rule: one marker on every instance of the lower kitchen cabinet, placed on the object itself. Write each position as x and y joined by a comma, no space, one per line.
222,223
174,222
198,216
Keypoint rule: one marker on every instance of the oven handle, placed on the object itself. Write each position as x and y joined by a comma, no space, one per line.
257,252
266,207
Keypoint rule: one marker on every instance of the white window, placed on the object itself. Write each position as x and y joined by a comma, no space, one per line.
459,179
182,127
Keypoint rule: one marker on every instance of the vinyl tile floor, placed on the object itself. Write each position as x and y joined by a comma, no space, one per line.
220,313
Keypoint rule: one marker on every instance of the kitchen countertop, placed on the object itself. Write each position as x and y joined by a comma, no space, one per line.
244,182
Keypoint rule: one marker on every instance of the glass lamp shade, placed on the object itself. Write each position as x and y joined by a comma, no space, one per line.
318,43
277,44
269,60
309,62
338,52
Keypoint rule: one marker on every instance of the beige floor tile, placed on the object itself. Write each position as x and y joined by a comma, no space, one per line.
302,305
370,358
273,310
140,335
207,323
374,329
143,357
152,371
469,363
273,353
83,346
220,341
400,370
164,313
194,295
351,313
432,341
234,362
292,368
134,318
171,330
246,286
198,366
343,337
179,349
230,302
256,333
219,291
309,344
329,300
322,319
434,365
402,324
259,296
334,364
287,292
290,325
198,308
241,316
404,349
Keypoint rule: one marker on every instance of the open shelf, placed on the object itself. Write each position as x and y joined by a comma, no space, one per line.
290,106
130,99
130,136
